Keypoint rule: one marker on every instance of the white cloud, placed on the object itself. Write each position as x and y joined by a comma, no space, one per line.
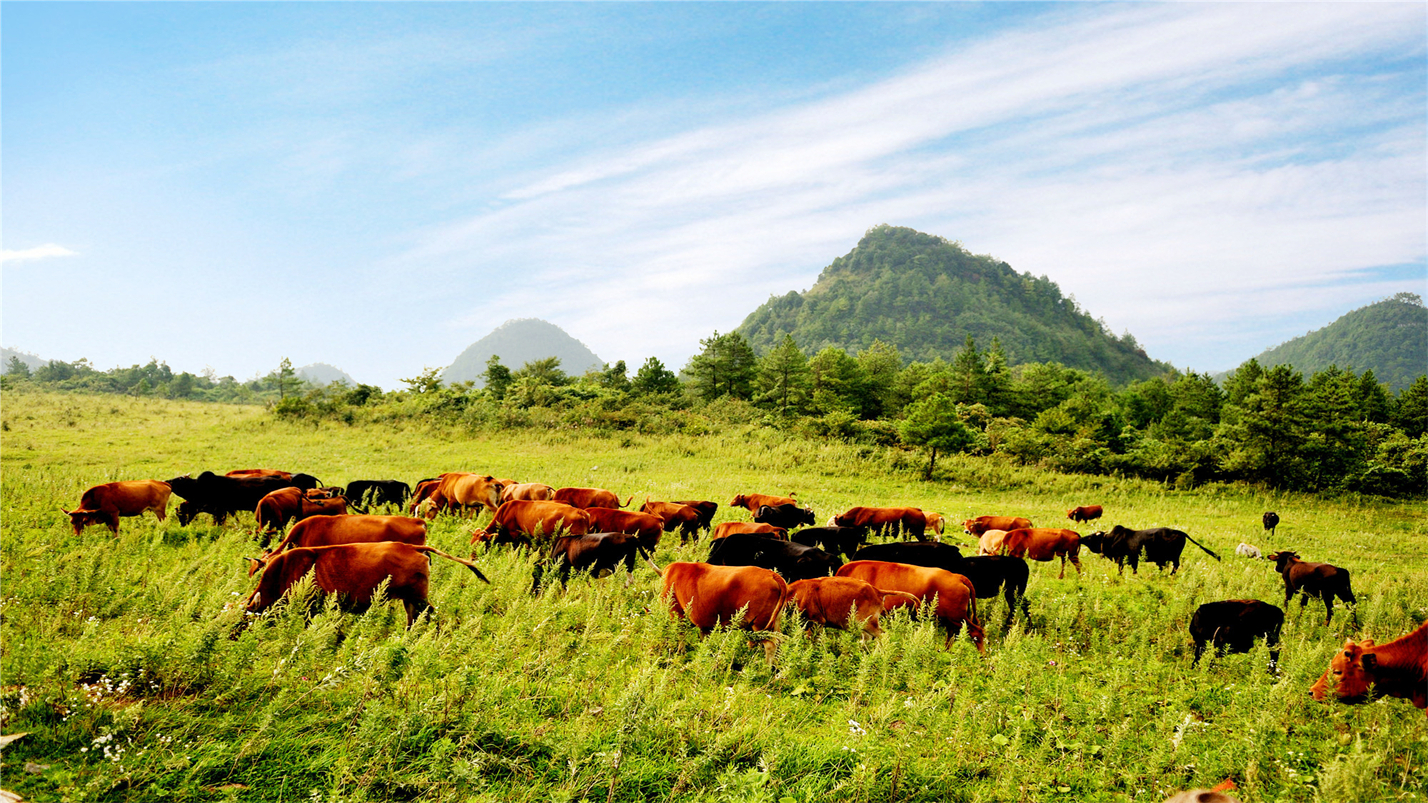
39,252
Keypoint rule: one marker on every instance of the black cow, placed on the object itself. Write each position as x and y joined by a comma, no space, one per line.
705,509
785,516
1234,624
1162,545
595,551
221,496
1270,521
381,492
837,540
1323,580
793,561
989,574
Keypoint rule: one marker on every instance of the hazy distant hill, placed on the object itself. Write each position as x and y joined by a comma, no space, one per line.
518,342
320,373
925,294
32,360
1391,337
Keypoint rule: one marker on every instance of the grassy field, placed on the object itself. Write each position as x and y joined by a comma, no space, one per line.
119,667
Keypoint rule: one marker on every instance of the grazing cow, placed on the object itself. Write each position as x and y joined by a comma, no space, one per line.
528,491
785,516
956,597
935,524
590,497
793,561
378,492
885,521
223,496
1044,544
1397,669
981,524
675,514
598,552
353,572
1323,580
989,575
276,509
260,472
733,527
838,540
834,601
1248,551
705,508
613,520
752,502
333,530
1080,515
104,504
1234,624
421,493
462,491
1162,545
992,542
522,522
1270,521
709,596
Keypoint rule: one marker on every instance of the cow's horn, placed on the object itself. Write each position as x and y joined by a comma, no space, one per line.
66,512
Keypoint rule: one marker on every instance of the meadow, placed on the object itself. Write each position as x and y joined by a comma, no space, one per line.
124,666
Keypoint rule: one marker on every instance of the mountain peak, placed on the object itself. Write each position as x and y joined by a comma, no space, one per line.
517,342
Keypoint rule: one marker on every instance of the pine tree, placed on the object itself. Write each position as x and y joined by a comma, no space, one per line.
784,379
726,367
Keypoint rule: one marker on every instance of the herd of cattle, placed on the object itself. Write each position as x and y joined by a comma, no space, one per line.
753,571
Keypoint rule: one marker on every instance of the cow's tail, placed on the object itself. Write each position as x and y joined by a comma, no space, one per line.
431,550
1202,546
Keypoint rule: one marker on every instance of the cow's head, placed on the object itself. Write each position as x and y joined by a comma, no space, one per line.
1282,559
739,501
1350,674
1094,542
79,519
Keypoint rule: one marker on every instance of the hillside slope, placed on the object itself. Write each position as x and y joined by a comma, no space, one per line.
320,373
518,342
1390,337
925,294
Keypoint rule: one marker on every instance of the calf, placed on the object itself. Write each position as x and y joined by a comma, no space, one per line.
1080,515
1234,624
1323,580
1248,551
1270,521
752,502
793,561
104,504
842,601
598,552
1397,669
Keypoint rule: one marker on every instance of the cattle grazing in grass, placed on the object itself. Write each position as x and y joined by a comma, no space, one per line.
842,602
935,523
105,504
1270,521
353,572
378,492
590,497
752,502
710,596
528,491
989,574
705,508
837,540
421,502
956,598
889,522
1084,514
981,524
675,514
1162,545
992,542
1396,669
1234,624
611,520
728,528
523,522
333,530
1323,580
1248,551
597,552
221,497
461,491
792,561
1044,544
276,509
785,516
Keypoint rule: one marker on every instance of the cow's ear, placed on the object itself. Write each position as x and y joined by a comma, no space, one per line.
1370,660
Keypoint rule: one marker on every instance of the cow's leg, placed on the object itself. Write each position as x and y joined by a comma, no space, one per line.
1328,606
162,511
111,520
1199,650
1063,569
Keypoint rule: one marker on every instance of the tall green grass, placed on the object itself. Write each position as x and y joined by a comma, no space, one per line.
124,662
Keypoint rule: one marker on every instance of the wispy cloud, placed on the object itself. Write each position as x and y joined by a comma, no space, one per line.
38,252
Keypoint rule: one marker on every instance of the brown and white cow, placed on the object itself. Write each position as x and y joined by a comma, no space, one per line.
523,522
833,601
1397,669
710,596
981,524
1043,544
956,597
885,521
104,504
590,497
1084,514
353,572
732,527
333,530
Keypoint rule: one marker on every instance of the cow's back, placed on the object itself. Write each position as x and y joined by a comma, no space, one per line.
712,595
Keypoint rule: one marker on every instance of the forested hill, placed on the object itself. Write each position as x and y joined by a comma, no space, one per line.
518,342
1390,338
925,295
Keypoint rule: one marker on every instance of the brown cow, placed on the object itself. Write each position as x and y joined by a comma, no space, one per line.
1081,515
461,491
590,497
935,524
709,596
675,514
955,595
333,530
260,472
353,572
752,502
276,509
992,542
885,521
104,504
522,522
706,511
1043,544
1397,669
1323,580
981,524
421,493
647,526
731,527
831,601
527,491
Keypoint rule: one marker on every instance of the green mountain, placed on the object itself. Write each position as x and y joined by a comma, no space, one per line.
925,294
1390,337
518,342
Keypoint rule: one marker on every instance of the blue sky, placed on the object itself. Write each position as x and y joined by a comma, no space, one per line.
376,186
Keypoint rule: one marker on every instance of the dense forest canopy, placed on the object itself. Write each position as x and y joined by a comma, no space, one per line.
926,296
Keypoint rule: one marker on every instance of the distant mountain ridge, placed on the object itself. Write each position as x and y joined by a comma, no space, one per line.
518,342
32,360
925,295
1390,337
320,373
